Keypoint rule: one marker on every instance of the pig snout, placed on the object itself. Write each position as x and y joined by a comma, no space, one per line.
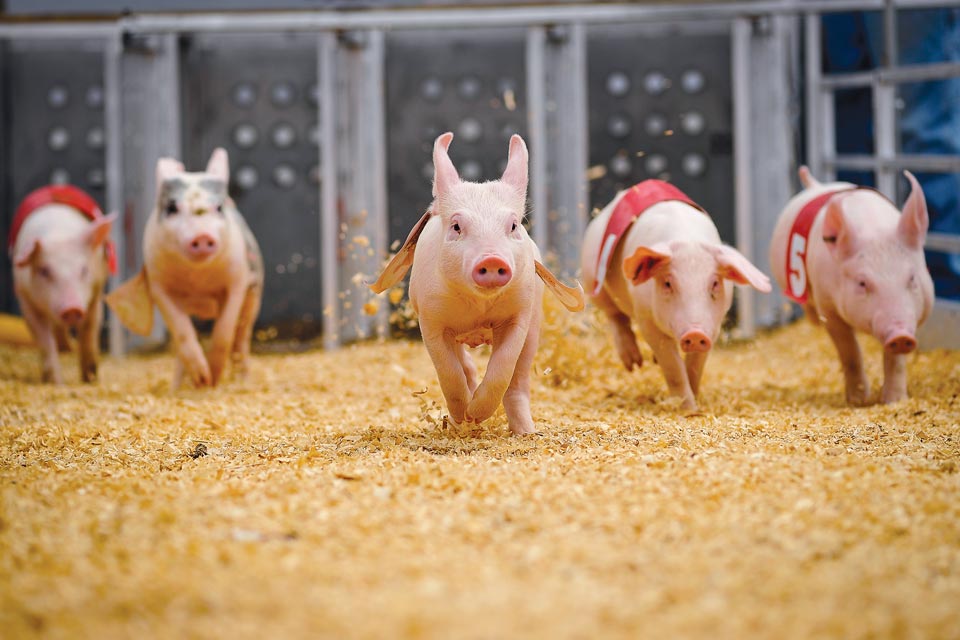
900,342
71,315
491,272
201,246
695,340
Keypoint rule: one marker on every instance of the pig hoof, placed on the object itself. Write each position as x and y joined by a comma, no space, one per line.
892,396
523,429
90,374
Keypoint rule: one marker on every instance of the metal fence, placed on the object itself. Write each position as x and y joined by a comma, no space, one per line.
328,117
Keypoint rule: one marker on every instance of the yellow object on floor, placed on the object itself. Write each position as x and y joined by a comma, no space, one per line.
14,330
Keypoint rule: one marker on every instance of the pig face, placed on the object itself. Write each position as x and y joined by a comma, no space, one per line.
190,207
484,243
62,272
692,287
884,286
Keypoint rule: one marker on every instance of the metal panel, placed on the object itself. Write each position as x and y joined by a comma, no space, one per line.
54,118
468,82
256,96
660,107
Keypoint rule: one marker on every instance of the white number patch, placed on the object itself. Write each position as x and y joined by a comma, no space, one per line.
798,271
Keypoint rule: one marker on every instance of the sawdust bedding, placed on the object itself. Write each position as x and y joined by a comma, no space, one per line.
324,497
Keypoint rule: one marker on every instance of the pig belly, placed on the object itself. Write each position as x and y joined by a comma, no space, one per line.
202,307
477,337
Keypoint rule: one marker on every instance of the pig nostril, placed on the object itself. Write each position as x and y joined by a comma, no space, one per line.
483,271
502,271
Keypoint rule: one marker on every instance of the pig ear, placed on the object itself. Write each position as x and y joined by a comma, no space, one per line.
219,165
733,265
400,263
167,168
915,220
515,174
571,298
100,230
806,178
132,303
26,253
641,266
837,233
445,174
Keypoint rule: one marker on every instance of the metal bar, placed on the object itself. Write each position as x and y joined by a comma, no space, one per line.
885,137
931,163
493,16
814,95
945,242
59,30
113,128
537,126
329,218
742,144
894,75
376,138
890,55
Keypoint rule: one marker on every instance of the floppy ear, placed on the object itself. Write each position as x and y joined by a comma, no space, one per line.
569,297
167,168
401,262
26,253
515,173
132,303
645,261
733,265
219,165
445,174
837,233
100,230
914,221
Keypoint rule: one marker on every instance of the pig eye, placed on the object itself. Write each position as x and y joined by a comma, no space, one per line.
668,285
44,272
220,208
912,282
456,227
172,208
513,227
714,289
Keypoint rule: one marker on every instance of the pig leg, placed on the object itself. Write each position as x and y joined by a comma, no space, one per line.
43,334
668,357
623,337
224,332
855,380
241,343
89,336
695,362
190,358
508,341
453,382
62,335
894,377
516,400
469,368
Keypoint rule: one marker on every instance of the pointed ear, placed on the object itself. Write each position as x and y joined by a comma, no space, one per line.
806,178
219,165
132,303
515,174
645,261
838,235
167,168
445,174
401,262
915,220
733,265
26,254
100,230
571,298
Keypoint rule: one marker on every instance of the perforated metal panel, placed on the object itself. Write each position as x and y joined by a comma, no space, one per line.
660,107
468,82
256,96
53,126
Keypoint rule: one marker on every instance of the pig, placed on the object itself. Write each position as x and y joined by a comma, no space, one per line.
477,279
61,265
201,260
860,267
670,274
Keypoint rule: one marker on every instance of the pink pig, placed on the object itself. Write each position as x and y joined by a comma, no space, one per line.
859,267
201,260
671,276
474,281
60,270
